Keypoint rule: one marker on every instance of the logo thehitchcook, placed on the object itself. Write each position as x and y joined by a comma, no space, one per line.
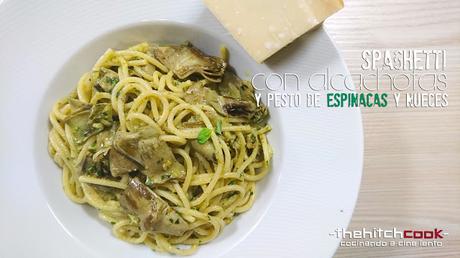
378,237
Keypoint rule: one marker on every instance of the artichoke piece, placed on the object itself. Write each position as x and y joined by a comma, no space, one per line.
260,116
143,148
126,143
101,114
80,127
76,105
87,123
98,168
160,165
226,106
235,88
232,86
199,94
123,154
103,143
120,164
206,149
237,107
106,79
185,60
155,214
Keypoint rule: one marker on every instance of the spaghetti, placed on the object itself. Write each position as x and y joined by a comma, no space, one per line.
168,151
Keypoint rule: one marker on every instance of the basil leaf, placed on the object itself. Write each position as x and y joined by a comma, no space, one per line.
204,135
219,127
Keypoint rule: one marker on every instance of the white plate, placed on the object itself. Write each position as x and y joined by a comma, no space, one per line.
46,45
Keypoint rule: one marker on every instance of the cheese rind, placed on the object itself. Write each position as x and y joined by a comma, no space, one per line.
263,27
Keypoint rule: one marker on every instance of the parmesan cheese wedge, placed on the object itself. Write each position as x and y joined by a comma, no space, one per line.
263,27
